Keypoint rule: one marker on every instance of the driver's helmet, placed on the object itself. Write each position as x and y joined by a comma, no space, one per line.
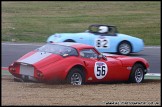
103,29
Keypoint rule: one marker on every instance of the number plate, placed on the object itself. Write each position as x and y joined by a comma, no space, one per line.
27,70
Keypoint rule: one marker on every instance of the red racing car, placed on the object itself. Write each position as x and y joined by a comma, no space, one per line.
77,64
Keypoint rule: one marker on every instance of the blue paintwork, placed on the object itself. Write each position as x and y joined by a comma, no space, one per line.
111,42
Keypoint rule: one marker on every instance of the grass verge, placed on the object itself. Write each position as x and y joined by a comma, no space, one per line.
34,21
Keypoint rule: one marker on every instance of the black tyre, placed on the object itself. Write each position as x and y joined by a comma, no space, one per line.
137,74
76,77
124,48
69,40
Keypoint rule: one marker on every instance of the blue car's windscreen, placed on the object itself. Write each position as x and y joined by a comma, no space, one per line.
110,30
58,49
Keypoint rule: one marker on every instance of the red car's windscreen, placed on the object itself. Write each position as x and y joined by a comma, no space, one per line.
58,49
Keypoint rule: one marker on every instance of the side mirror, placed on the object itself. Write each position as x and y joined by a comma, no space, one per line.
99,57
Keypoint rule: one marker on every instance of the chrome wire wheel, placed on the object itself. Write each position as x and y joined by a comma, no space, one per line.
76,79
124,48
139,75
76,76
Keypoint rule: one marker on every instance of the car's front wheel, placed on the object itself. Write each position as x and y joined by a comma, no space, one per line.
76,77
124,48
137,74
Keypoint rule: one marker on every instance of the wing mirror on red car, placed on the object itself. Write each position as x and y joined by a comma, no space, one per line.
99,57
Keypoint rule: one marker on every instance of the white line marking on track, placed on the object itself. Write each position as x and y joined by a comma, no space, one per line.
152,47
40,44
34,44
153,74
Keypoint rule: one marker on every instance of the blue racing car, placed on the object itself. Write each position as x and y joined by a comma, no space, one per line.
105,38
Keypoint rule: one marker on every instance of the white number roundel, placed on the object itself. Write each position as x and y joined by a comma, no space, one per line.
100,70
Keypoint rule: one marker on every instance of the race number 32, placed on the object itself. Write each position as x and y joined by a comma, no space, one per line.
100,70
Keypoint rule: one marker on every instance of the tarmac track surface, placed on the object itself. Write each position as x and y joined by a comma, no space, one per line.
13,51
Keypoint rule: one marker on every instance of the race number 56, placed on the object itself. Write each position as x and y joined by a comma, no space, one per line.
101,43
100,70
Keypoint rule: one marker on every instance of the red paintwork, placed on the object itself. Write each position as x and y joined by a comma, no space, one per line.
56,67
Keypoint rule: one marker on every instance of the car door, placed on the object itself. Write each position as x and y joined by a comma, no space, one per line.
96,69
105,41
101,69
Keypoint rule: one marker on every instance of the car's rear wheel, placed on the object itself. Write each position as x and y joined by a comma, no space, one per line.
76,77
137,74
124,48
69,40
